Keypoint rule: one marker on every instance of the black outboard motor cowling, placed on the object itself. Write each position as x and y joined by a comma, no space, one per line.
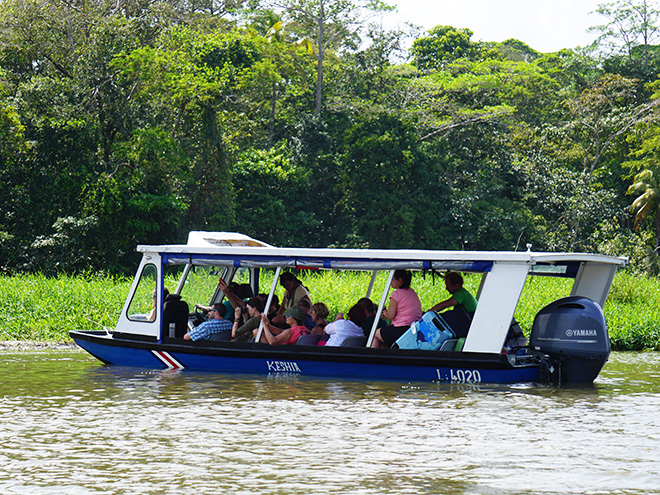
572,331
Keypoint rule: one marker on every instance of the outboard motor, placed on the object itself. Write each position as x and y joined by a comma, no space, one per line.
572,331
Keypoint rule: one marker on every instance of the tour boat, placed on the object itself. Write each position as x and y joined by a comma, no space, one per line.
568,342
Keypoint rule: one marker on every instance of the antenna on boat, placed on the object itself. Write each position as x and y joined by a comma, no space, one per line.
529,247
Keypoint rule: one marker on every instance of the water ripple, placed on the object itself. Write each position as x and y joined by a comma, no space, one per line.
72,426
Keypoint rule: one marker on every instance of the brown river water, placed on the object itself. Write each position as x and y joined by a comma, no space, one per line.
70,425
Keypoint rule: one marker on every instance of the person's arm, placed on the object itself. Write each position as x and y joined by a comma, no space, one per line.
281,338
187,336
274,339
445,304
390,312
235,301
237,322
330,328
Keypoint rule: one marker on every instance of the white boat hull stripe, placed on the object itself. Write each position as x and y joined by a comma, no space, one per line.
167,359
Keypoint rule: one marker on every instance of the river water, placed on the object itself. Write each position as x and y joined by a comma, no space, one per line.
71,425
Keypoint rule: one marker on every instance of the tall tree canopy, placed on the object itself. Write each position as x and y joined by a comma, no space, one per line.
310,123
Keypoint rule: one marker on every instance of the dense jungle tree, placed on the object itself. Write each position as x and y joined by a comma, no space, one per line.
602,114
389,194
133,122
327,25
646,188
445,44
273,198
628,36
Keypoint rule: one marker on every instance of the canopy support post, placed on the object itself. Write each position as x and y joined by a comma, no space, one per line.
380,308
371,284
268,301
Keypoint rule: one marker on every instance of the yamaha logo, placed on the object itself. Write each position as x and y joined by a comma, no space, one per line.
582,332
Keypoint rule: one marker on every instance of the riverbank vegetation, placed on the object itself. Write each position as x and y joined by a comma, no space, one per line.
308,123
38,308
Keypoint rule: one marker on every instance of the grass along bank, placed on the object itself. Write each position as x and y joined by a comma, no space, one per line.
42,309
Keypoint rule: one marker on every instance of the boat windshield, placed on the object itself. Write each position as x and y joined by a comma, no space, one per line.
144,297
199,283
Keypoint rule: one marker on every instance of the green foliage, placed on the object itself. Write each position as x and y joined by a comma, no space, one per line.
314,148
629,34
272,198
129,126
443,45
646,187
572,205
601,115
127,217
12,146
327,25
633,314
516,50
613,238
386,184
35,307
573,70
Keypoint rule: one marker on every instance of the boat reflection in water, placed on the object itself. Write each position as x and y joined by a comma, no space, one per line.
569,342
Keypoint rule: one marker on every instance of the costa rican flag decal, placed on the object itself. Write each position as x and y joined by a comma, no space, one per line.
168,360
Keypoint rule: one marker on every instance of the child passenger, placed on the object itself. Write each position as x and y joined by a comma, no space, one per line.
319,314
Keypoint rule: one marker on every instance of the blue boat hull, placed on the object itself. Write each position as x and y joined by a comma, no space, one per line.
230,357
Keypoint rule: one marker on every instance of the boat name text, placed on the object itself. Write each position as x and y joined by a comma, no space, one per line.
283,366
581,332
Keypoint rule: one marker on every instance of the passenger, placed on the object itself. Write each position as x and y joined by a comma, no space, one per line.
230,294
306,306
340,329
236,295
370,308
274,305
295,291
464,304
241,331
216,324
152,313
403,310
319,313
294,318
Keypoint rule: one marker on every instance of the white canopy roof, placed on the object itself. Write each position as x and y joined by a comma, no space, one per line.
226,248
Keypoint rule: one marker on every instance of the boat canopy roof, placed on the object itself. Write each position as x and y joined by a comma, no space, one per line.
238,250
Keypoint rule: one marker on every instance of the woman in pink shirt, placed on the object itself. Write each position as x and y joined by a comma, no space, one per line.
404,309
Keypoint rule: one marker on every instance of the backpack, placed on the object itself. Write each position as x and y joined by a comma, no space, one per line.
428,333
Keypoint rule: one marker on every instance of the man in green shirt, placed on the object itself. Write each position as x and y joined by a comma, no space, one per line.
461,300
459,295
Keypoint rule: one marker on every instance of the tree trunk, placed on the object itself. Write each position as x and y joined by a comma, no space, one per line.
271,124
319,64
